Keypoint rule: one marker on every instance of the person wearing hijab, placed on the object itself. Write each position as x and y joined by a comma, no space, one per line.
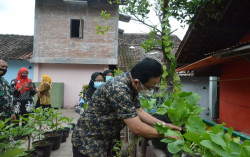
44,94
108,74
97,79
23,92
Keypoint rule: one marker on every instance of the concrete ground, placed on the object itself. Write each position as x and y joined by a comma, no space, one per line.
65,149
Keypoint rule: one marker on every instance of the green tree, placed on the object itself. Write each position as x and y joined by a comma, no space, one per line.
182,10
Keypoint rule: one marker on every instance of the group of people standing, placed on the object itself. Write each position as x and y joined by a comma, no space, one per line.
97,79
17,98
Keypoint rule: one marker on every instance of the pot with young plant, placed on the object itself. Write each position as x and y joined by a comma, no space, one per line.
9,147
38,120
196,139
68,127
61,129
52,125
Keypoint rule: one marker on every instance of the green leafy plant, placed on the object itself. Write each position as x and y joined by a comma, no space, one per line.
53,119
9,147
37,120
117,71
180,107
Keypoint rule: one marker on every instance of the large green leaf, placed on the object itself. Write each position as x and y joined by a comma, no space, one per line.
192,98
245,151
161,111
175,147
227,137
167,140
13,152
246,143
193,136
215,147
234,147
218,140
196,125
217,128
185,148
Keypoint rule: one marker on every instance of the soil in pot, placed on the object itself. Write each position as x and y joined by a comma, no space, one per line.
63,132
54,138
43,145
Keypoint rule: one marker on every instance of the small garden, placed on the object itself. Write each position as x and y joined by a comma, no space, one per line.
41,132
196,138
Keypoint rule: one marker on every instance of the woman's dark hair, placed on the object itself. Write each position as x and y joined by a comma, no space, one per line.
105,73
146,69
91,88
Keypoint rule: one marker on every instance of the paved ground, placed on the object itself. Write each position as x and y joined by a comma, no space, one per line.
65,149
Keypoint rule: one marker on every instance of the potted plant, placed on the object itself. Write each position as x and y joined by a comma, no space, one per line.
37,120
52,124
68,127
9,147
196,139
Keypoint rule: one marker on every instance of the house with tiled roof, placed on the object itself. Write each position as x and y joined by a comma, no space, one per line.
219,50
66,45
131,52
17,50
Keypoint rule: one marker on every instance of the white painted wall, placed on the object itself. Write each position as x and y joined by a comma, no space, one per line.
72,75
198,85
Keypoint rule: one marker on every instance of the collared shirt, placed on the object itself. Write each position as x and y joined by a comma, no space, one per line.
6,106
114,101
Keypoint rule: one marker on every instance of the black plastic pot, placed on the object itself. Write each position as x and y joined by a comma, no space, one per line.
46,146
67,130
156,142
54,138
63,132
73,125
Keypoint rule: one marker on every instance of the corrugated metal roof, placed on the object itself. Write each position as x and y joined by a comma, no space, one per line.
16,47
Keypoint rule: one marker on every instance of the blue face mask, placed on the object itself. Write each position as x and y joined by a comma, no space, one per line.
108,78
97,84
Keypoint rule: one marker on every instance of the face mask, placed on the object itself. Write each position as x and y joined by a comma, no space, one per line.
108,78
24,77
4,71
97,84
146,92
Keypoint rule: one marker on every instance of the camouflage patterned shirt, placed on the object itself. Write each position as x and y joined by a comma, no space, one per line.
103,119
6,106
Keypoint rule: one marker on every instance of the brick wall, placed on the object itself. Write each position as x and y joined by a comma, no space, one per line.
52,41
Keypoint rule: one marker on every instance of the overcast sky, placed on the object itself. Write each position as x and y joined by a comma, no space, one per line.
17,17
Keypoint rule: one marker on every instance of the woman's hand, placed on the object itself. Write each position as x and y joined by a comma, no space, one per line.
23,85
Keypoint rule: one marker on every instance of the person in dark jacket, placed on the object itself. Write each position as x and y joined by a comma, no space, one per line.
23,92
97,79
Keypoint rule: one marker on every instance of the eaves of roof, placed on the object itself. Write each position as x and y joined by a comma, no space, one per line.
219,57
